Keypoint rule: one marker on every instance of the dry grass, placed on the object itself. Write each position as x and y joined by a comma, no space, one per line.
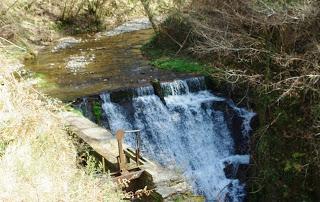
274,44
38,161
27,23
37,158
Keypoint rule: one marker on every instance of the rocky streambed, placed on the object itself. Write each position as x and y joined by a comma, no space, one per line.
86,65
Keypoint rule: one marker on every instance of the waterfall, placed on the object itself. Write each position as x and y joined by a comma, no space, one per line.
186,133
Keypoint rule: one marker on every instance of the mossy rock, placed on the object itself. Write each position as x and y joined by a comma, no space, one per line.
189,198
158,90
97,111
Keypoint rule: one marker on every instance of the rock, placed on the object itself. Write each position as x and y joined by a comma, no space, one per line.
158,90
235,124
134,25
75,63
122,95
236,167
239,173
187,198
64,43
168,184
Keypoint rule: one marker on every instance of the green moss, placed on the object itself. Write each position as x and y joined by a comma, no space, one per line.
74,110
162,54
39,75
42,81
97,111
189,198
179,65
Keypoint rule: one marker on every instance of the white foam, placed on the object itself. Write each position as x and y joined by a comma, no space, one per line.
186,133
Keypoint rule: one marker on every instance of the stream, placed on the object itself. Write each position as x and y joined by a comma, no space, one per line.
191,130
89,65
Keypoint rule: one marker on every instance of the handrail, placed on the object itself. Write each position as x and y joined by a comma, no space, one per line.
120,136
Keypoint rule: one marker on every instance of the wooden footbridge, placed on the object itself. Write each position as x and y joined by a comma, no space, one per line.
127,163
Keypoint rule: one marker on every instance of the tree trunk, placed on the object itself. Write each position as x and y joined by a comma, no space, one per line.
147,9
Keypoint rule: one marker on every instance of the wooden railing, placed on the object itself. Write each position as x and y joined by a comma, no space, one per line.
122,160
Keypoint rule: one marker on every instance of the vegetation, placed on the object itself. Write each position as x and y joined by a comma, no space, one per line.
267,52
164,56
97,111
38,160
178,65
83,16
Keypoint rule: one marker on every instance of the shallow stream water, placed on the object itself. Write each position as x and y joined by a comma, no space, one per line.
95,64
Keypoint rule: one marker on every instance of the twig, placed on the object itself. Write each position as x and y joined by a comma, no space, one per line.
246,95
184,42
259,189
9,8
175,41
19,47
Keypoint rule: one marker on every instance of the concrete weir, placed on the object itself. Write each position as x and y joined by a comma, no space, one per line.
168,185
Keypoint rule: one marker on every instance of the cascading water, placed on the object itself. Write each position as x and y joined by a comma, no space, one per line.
187,133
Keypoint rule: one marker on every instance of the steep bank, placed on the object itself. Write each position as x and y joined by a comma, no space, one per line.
37,158
38,161
249,58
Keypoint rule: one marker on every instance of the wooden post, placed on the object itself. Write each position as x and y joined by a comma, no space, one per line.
122,157
137,147
103,165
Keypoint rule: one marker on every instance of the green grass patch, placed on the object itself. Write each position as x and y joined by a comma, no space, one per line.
179,65
74,110
162,54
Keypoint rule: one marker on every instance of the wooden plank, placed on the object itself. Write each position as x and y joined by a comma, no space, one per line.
128,176
167,182
100,139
